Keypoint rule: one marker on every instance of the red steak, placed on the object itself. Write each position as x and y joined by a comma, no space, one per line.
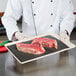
45,42
30,48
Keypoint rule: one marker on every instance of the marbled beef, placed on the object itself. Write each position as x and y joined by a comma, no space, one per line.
45,42
30,48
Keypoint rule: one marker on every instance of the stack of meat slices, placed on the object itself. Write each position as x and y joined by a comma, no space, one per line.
37,46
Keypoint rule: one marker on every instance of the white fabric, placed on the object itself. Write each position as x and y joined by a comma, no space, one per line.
61,20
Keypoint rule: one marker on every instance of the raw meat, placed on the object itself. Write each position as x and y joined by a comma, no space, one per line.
45,42
37,46
30,48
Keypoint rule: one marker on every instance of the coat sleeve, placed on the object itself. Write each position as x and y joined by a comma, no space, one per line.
12,13
67,16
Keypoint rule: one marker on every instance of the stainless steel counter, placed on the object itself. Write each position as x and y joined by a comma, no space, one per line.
62,64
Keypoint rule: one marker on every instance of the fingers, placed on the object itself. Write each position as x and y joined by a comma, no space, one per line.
21,36
64,37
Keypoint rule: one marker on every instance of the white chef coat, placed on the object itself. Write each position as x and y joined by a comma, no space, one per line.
39,16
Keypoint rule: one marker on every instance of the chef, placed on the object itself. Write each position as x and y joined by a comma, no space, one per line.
38,17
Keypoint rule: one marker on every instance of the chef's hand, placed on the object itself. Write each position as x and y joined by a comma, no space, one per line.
64,36
19,36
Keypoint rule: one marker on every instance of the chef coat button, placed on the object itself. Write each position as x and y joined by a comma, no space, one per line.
33,2
34,14
51,25
51,0
51,13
